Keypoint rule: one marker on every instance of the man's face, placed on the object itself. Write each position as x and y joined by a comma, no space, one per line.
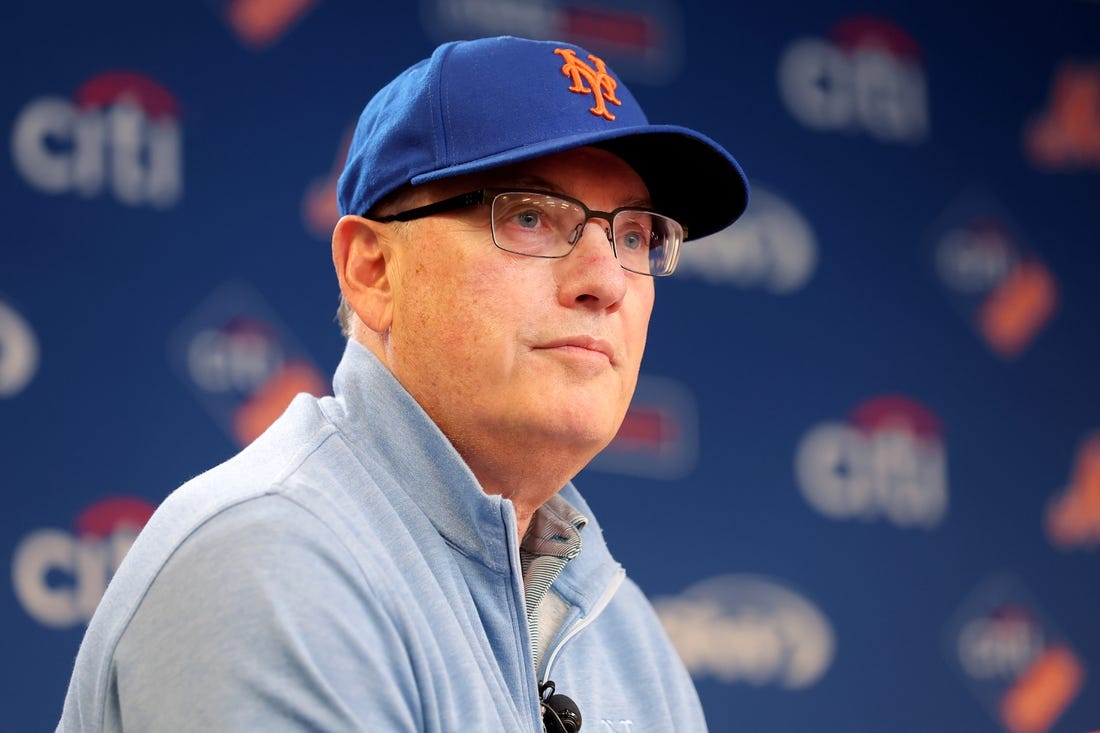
518,355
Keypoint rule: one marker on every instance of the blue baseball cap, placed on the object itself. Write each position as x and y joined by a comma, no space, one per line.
481,104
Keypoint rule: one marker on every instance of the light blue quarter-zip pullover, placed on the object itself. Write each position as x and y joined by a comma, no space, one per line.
345,572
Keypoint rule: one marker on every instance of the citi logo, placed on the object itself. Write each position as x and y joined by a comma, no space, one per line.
236,358
886,461
1012,658
1001,644
867,76
1073,515
744,628
1008,294
60,576
119,136
975,255
18,352
244,367
772,248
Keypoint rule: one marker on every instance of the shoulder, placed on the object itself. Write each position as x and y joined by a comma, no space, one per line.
262,602
270,516
250,558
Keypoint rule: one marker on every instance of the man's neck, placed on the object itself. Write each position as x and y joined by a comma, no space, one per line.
527,483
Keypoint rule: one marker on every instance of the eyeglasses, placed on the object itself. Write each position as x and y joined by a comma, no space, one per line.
540,224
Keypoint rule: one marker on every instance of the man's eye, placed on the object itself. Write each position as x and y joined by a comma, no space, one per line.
528,219
632,240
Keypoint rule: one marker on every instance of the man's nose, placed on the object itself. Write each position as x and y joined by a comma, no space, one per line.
591,274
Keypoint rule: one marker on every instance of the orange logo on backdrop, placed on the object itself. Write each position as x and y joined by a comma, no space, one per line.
260,23
1068,133
272,398
1018,307
601,85
1074,517
320,210
1042,692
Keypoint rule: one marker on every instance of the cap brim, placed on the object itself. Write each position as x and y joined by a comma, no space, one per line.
690,177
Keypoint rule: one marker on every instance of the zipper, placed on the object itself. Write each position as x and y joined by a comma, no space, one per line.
597,609
511,533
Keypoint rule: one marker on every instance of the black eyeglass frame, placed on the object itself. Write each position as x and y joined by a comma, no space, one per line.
488,195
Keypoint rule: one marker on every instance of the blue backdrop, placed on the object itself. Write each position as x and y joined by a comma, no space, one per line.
869,416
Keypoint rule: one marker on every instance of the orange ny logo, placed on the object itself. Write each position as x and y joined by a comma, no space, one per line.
601,85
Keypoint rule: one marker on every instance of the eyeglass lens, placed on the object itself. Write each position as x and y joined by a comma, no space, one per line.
541,225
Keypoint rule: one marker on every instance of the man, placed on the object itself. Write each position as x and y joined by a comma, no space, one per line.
410,555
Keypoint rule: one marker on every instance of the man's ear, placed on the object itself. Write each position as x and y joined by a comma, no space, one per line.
362,267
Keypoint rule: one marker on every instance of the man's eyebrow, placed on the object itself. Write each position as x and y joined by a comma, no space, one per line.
541,184
528,181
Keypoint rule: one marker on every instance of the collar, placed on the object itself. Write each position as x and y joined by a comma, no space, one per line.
555,530
389,430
